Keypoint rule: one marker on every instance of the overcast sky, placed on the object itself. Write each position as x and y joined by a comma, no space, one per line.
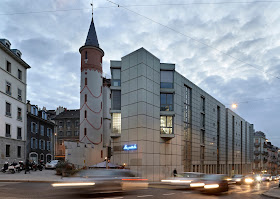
50,42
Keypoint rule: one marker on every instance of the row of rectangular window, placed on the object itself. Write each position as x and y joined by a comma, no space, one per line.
8,151
9,113
9,69
9,91
8,131
68,124
68,133
34,144
34,129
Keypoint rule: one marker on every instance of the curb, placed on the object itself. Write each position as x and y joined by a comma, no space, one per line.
269,195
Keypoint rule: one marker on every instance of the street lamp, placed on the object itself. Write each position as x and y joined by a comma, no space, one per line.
234,106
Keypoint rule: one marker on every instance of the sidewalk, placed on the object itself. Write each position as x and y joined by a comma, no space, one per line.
33,176
273,193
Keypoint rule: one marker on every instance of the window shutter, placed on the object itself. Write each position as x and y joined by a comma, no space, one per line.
36,143
43,144
36,126
39,144
32,127
31,143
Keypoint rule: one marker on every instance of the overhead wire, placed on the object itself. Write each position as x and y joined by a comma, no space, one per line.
194,39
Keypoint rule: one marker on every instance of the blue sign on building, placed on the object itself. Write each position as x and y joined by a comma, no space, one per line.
130,147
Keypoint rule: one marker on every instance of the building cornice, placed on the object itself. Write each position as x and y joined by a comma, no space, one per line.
12,97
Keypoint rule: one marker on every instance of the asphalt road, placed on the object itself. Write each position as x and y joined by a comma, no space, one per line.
44,190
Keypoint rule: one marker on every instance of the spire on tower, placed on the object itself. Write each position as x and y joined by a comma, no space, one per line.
92,37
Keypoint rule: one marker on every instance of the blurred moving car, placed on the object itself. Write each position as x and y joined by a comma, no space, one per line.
104,180
183,179
266,177
274,178
213,183
238,179
252,179
52,164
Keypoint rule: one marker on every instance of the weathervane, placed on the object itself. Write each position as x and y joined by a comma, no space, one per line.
91,8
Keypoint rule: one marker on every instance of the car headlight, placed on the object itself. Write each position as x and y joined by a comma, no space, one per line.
238,180
259,178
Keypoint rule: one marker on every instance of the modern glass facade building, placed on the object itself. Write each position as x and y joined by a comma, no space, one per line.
162,121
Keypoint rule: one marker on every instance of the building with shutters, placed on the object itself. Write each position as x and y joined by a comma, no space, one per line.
40,135
13,70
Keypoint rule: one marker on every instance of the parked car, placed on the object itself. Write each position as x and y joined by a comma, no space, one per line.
52,164
238,179
104,180
213,183
183,179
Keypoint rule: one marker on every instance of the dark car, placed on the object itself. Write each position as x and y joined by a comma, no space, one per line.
213,183
104,180
238,179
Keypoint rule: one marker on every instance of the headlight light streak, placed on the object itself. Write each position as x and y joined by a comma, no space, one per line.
197,184
249,180
211,186
177,181
71,184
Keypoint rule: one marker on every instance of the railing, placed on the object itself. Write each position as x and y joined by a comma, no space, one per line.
8,113
8,135
257,152
19,118
256,160
8,92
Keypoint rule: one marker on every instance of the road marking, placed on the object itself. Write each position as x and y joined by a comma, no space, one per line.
168,194
144,196
187,192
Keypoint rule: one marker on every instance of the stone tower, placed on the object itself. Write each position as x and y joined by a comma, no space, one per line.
91,95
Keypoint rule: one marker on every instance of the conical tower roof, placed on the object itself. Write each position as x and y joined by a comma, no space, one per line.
92,37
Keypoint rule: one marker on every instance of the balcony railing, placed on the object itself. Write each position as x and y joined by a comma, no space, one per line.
8,114
257,152
19,118
8,92
264,145
256,160
264,160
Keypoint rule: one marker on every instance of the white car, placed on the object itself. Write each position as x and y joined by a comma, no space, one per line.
52,164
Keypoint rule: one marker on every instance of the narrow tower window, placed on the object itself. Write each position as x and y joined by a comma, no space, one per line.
85,97
85,131
85,81
85,114
86,55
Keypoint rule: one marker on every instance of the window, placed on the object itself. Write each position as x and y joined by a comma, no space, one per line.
8,88
42,130
34,143
85,81
8,150
44,115
85,114
86,55
166,79
85,98
19,94
85,131
9,66
19,133
34,110
19,74
166,102
34,127
8,130
76,133
8,109
68,133
77,123
19,117
116,100
202,103
61,124
202,136
60,133
202,120
60,142
166,124
68,124
42,157
116,117
42,144
116,77
19,151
